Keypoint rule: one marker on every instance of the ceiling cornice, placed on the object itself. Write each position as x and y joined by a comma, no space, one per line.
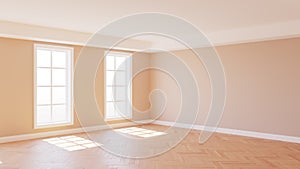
241,35
256,33
45,34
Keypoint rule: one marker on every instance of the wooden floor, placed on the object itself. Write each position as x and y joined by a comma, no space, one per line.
220,151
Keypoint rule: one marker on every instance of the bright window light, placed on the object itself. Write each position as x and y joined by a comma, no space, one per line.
0,162
72,143
117,88
53,86
140,132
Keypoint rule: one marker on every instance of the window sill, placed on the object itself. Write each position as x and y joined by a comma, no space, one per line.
53,125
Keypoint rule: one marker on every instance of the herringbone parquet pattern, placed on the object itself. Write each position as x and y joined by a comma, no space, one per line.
220,151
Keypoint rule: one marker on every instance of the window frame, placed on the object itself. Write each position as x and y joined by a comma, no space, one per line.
69,86
128,54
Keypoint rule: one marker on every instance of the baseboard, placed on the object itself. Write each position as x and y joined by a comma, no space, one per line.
65,132
234,132
159,122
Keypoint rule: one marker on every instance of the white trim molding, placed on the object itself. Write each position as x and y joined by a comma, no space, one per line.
30,136
257,33
281,30
268,136
54,35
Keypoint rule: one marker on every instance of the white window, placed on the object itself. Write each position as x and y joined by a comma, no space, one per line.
53,103
117,85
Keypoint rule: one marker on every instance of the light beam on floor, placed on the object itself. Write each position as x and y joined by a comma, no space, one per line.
140,132
72,143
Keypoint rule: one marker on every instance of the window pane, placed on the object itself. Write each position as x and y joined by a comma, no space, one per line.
43,95
59,59
58,95
43,58
43,76
120,78
59,113
43,114
53,69
110,77
117,78
120,93
121,109
59,77
109,93
120,63
110,111
110,62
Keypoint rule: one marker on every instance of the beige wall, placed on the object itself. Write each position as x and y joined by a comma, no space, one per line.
263,80
141,86
16,98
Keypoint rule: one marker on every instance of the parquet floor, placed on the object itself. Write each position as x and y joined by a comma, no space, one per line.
221,151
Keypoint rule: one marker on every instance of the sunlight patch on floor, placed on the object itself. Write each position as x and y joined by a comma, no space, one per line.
140,132
72,143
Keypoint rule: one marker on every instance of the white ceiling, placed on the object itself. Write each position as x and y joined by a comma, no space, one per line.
221,20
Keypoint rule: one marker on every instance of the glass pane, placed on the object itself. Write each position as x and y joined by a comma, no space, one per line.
120,63
110,62
120,93
59,59
59,77
121,109
120,78
109,94
43,76
43,58
110,111
59,113
59,95
43,114
43,95
110,77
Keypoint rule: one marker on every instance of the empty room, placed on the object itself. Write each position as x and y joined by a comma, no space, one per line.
142,84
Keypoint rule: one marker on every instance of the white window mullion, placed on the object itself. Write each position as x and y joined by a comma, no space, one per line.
118,72
60,106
